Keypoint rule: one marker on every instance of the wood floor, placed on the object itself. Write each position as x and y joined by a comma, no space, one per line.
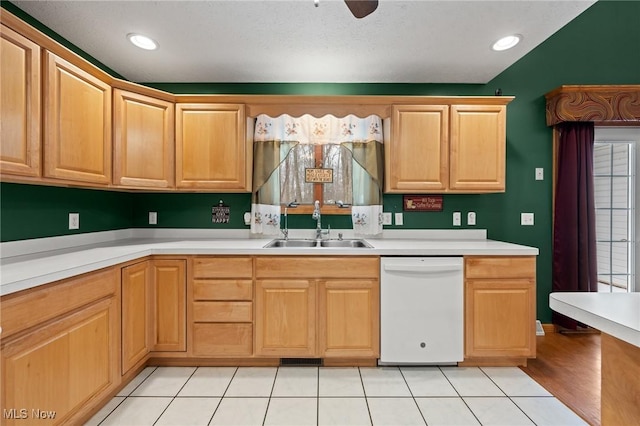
568,366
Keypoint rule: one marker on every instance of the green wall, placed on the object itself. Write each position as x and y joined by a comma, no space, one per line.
598,47
32,211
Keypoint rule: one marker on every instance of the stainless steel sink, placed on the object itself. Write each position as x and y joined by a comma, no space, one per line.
345,243
291,243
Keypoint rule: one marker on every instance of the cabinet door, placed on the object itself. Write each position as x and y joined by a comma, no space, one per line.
136,314
416,158
77,124
478,147
59,368
20,112
169,305
500,318
143,147
286,318
212,150
349,318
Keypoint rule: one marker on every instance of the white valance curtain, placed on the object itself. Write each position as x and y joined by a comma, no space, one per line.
284,147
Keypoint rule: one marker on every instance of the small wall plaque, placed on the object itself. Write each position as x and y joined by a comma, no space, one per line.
220,213
420,203
318,175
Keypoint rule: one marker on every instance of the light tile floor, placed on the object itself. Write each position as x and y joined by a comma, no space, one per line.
334,396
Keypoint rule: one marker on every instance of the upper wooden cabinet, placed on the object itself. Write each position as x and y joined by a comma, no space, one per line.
143,141
417,156
446,148
478,147
20,104
212,150
77,124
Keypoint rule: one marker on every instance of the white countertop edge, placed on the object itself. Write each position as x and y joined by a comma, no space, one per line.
37,245
31,270
594,314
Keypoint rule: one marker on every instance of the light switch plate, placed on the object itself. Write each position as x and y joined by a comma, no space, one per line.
386,218
539,173
526,219
153,218
74,220
457,219
399,219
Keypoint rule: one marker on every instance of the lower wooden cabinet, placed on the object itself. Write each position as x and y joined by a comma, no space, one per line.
169,305
136,314
221,306
286,318
500,308
153,309
58,371
349,318
318,307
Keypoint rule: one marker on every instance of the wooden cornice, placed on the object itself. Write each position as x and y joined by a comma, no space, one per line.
601,104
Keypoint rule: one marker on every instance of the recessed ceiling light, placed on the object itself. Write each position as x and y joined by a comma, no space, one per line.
506,42
143,42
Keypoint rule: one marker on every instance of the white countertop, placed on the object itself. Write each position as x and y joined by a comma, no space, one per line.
617,314
27,270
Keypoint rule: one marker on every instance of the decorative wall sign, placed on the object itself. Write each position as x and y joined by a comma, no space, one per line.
318,175
220,213
421,203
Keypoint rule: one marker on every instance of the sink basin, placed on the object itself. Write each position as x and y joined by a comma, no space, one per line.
345,243
280,243
291,243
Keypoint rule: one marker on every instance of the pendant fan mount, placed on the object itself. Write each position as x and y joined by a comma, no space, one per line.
361,8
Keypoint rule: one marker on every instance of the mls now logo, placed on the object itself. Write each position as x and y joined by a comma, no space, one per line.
23,413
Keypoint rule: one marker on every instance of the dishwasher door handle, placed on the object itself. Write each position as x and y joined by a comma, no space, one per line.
422,268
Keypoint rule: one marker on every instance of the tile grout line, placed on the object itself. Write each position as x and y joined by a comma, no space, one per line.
412,395
222,397
505,394
364,391
460,396
273,385
127,396
174,396
318,397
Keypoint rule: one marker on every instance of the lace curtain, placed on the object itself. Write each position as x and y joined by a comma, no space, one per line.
284,146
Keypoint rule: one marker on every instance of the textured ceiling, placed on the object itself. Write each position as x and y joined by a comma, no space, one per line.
418,41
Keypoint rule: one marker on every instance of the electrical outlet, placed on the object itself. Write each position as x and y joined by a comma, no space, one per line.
386,218
539,173
471,218
399,219
74,220
457,219
526,219
153,218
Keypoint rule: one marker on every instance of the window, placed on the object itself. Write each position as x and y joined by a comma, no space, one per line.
615,171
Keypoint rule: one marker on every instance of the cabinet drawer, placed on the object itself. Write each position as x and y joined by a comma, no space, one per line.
222,339
317,267
222,311
223,290
222,267
30,307
500,267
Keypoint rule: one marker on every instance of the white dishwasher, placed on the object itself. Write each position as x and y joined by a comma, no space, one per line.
421,310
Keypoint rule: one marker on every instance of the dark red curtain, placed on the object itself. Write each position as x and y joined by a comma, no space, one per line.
574,231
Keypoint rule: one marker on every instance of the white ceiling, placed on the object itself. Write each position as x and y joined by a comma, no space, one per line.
419,41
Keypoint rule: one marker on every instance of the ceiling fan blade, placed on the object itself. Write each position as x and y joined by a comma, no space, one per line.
361,8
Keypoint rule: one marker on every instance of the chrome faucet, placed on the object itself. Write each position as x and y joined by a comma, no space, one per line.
318,217
292,205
